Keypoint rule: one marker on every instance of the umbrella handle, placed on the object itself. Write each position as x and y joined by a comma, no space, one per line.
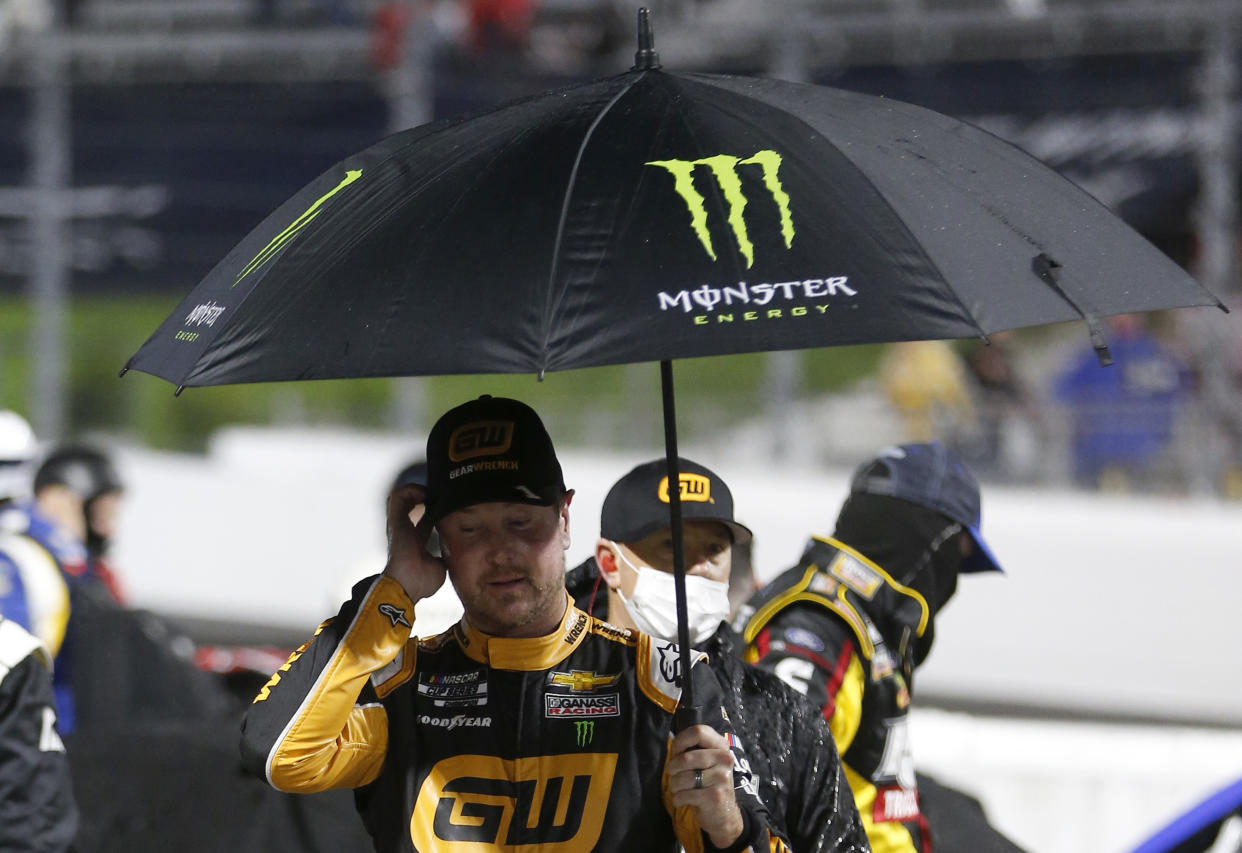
679,555
686,716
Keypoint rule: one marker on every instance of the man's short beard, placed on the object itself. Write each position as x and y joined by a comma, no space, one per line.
547,598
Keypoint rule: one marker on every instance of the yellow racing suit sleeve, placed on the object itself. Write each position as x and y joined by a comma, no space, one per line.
847,704
318,723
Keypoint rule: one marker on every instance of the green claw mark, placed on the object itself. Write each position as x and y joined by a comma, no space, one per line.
683,182
280,240
724,169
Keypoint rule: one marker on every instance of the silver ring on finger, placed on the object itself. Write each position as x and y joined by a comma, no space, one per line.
698,779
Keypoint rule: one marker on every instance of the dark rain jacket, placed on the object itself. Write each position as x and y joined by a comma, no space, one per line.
843,631
485,742
789,743
37,810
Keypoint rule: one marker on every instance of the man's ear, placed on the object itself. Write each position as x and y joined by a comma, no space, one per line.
564,518
606,560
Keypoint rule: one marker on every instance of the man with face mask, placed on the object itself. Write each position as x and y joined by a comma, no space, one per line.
629,582
848,625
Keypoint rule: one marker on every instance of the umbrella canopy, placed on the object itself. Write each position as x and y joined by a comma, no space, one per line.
657,215
652,216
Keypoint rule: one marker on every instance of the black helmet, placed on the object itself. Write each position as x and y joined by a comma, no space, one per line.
89,474
84,470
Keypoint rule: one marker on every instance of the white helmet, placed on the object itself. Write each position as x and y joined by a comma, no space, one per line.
18,449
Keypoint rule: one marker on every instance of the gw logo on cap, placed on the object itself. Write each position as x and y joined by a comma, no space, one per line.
694,487
480,438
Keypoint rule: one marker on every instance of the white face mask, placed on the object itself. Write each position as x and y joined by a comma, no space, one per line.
653,604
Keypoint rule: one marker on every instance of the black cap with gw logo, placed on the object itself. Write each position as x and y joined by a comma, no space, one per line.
637,505
490,449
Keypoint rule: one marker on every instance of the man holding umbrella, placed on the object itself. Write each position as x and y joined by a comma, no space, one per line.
528,723
629,582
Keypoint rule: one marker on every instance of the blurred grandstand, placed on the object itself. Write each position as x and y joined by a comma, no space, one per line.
142,138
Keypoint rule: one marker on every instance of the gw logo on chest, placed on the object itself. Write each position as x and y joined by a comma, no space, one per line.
477,803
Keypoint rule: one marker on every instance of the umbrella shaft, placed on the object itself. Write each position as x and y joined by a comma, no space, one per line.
674,512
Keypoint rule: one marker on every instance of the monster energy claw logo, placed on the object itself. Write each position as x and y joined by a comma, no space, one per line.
282,239
586,731
724,168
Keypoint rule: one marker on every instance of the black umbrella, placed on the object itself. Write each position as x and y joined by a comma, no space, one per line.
652,216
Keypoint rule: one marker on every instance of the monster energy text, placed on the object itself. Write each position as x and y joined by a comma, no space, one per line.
708,297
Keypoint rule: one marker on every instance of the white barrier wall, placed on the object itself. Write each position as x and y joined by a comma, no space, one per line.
1076,787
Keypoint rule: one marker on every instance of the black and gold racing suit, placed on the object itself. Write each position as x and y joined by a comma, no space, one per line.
838,628
468,743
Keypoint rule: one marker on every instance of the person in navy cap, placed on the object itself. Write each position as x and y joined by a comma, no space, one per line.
848,625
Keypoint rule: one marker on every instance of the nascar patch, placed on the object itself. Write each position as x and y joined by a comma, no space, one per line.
454,690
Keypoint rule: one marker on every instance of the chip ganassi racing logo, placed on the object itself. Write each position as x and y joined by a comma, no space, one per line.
563,706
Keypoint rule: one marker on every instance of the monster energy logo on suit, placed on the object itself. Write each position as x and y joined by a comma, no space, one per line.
724,168
586,731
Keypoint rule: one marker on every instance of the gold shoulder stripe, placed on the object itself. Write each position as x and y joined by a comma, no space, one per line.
796,592
888,579
397,672
799,592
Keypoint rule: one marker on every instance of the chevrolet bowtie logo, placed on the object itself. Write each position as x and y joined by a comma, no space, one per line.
580,680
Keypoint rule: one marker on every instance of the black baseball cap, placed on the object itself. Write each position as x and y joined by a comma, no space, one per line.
933,476
490,449
637,504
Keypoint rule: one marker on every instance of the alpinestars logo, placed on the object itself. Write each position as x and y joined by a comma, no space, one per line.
670,663
395,614
724,168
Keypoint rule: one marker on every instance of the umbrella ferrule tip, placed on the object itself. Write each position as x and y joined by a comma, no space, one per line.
645,58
